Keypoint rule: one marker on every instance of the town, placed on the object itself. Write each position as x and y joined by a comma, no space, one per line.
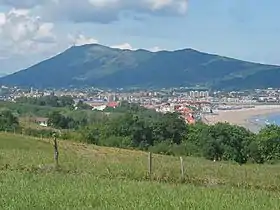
192,103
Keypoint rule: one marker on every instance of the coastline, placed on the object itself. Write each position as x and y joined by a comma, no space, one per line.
244,117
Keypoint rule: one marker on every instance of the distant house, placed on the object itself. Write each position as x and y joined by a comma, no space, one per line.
113,104
190,119
99,107
42,121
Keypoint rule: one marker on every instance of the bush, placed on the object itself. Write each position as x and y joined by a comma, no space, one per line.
115,141
8,122
187,149
163,148
45,133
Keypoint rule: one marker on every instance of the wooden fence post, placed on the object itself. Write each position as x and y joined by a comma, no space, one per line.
150,164
182,168
55,150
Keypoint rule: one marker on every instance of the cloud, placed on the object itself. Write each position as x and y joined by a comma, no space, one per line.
156,49
2,19
124,46
81,39
45,33
103,11
127,46
23,3
21,32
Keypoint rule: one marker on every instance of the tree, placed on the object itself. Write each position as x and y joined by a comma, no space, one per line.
232,140
54,119
197,136
8,122
82,105
169,127
268,141
213,150
92,135
65,101
141,133
254,153
57,120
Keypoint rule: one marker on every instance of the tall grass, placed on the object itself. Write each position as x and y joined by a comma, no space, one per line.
57,191
108,178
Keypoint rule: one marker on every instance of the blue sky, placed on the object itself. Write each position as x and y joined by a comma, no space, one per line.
33,30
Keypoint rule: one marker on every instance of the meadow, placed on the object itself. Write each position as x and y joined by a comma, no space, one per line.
92,177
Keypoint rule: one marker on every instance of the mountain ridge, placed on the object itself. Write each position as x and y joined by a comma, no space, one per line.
102,66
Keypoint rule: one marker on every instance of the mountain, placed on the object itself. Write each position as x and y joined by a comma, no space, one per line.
101,66
2,74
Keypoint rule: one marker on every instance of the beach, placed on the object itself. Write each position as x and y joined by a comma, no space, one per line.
242,117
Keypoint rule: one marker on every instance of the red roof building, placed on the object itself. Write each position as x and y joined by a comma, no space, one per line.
113,104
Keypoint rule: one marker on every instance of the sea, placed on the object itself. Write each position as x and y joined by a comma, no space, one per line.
258,122
268,119
274,119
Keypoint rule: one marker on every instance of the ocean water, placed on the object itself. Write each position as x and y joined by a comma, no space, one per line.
274,119
266,119
256,123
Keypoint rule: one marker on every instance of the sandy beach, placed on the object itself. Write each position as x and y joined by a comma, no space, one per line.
242,116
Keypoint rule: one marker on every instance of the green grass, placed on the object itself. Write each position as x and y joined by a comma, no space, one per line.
106,178
54,191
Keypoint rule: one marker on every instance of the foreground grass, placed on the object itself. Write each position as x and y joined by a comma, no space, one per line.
107,178
56,191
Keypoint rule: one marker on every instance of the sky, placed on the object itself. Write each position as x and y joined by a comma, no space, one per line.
35,30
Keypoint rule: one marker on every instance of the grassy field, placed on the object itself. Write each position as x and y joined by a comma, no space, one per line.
106,178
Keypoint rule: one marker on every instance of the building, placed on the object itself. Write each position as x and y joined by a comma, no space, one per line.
113,104
111,97
99,107
42,121
199,94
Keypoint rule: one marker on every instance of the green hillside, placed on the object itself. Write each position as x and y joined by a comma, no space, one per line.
92,177
101,66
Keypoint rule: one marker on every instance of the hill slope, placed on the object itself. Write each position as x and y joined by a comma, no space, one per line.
101,66
2,74
92,177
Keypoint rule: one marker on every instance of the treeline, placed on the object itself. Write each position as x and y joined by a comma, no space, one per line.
10,123
61,121
22,109
139,128
83,117
171,136
51,100
54,101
